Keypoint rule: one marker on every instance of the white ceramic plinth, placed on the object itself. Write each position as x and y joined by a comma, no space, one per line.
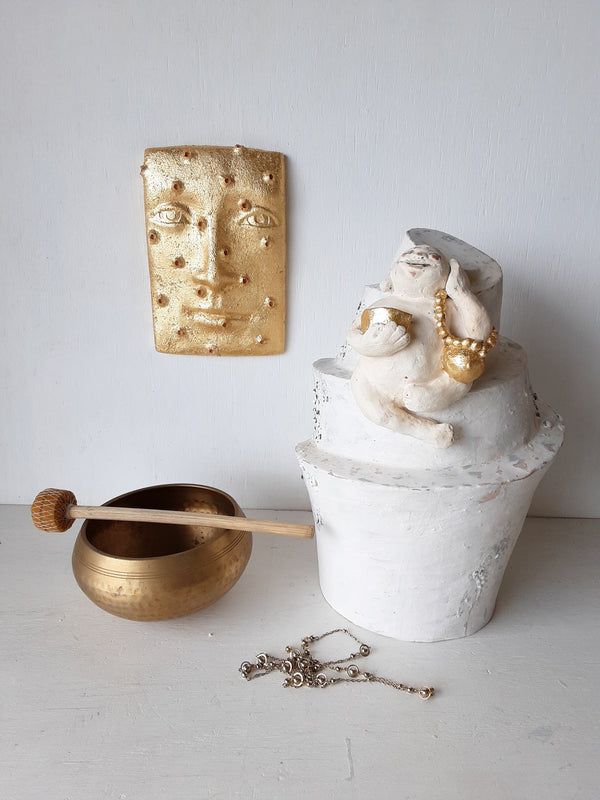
419,555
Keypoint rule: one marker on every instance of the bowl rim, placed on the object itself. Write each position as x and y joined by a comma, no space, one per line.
196,549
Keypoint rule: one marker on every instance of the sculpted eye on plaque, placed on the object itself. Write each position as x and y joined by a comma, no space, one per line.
215,223
260,218
169,214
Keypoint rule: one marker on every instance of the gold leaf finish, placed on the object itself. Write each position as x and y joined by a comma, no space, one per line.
382,315
462,359
152,571
216,234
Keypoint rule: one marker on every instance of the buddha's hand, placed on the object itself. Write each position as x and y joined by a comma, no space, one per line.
380,339
458,280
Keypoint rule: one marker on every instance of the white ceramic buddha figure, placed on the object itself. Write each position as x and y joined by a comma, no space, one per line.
399,380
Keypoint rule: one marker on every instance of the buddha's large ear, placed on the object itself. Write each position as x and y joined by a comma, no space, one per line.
386,284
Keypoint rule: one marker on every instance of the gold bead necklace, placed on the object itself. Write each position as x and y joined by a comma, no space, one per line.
462,359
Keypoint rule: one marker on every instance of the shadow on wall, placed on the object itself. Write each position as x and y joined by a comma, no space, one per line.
558,368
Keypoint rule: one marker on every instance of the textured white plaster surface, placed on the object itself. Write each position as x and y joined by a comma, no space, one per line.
495,418
419,554
413,540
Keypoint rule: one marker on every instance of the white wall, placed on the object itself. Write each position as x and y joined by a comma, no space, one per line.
475,117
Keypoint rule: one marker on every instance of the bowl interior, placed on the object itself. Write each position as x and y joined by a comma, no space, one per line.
152,539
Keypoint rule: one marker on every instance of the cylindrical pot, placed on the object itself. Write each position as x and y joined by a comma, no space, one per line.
420,555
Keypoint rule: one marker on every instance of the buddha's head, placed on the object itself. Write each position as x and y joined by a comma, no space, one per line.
215,223
419,272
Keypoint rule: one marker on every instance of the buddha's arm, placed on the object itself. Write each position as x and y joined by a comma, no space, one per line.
473,315
378,340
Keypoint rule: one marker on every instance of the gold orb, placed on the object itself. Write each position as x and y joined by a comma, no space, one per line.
462,364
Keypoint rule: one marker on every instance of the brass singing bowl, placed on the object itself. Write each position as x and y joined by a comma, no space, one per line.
153,571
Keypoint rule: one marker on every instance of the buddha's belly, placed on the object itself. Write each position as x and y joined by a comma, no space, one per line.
420,362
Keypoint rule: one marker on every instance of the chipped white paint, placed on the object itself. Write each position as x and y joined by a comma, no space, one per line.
413,540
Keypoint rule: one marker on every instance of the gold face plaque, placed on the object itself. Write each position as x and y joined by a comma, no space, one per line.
215,226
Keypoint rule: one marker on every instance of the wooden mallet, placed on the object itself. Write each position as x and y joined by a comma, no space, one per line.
56,510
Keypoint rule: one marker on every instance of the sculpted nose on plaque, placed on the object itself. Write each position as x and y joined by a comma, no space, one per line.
211,263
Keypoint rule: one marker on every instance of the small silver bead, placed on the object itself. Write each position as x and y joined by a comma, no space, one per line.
365,649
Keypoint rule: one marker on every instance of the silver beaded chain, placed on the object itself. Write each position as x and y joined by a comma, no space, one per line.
302,669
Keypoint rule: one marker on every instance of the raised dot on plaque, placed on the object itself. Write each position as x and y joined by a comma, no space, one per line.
265,242
268,177
180,331
177,186
154,237
187,154
225,251
260,339
162,300
244,204
202,224
179,262
269,302
226,180
243,279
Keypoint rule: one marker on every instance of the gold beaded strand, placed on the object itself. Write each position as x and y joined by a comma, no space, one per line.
462,359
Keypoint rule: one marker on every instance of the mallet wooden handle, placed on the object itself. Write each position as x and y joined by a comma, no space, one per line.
57,509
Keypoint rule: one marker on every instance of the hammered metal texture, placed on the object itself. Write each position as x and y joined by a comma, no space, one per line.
152,571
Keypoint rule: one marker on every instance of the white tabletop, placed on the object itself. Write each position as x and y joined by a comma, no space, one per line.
94,706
